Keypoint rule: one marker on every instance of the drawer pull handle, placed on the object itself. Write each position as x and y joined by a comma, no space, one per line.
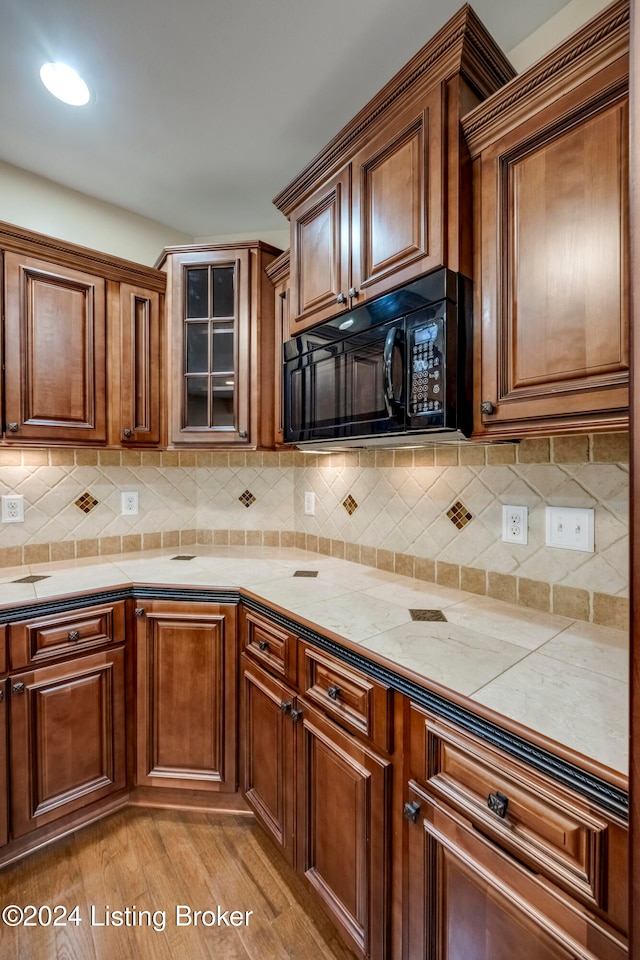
296,714
139,611
263,645
285,706
411,811
333,693
498,803
17,688
73,635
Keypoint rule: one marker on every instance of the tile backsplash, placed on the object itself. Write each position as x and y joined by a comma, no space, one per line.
434,513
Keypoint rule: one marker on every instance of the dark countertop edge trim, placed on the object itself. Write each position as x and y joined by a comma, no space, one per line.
608,797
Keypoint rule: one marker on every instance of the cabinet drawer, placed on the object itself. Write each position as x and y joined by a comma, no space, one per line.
549,829
62,634
356,701
270,645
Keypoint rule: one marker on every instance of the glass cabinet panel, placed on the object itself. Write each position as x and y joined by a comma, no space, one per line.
210,347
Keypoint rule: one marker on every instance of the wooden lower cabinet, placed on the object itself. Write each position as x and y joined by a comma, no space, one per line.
468,900
324,797
67,738
4,780
186,680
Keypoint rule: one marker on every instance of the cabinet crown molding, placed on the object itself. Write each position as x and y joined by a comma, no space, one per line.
212,247
278,269
20,240
600,42
462,45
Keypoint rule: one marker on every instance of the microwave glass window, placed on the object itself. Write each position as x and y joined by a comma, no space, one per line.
210,332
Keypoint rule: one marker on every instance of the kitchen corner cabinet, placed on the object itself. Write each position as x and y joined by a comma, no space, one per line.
550,176
222,346
186,680
279,273
322,793
389,198
503,862
4,771
81,344
67,714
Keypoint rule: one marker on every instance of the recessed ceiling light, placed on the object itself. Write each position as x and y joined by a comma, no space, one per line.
64,83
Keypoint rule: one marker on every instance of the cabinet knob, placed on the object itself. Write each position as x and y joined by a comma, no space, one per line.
296,714
17,688
12,427
487,407
333,693
242,434
411,811
498,803
285,706
341,298
263,645
354,292
1,694
73,635
127,433
139,611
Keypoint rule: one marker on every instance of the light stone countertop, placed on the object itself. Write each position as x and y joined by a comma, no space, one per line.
561,678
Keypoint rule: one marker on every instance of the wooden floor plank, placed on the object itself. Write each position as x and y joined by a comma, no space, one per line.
151,860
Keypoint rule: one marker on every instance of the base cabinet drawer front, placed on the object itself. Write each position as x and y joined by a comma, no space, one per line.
356,701
63,634
270,645
547,827
67,738
343,830
268,752
467,900
186,696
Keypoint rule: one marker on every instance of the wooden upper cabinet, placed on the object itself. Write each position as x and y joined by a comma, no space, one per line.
136,365
551,180
222,345
389,198
279,273
55,352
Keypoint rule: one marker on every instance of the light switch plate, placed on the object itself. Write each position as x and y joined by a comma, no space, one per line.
570,528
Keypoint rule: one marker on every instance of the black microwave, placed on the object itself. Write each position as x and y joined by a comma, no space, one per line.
395,371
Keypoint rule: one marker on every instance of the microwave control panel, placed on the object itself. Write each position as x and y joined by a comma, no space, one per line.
427,383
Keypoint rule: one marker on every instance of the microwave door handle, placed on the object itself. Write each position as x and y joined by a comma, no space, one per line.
389,344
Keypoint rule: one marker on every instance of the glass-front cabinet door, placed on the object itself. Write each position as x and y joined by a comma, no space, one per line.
210,347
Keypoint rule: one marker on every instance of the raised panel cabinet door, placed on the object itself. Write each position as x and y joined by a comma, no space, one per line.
397,201
268,745
186,699
320,254
466,900
55,352
343,830
139,365
67,738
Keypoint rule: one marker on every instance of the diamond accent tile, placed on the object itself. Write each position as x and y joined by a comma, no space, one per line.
350,505
246,498
432,615
32,579
459,515
306,573
86,502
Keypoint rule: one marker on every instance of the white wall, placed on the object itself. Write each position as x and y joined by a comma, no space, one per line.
554,31
37,204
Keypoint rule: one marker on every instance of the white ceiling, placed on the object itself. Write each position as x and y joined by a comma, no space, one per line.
205,109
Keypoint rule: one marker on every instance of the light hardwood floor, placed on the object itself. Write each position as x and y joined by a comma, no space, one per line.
154,860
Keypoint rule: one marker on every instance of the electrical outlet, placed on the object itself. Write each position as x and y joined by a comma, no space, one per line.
570,528
310,503
129,502
515,524
13,508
